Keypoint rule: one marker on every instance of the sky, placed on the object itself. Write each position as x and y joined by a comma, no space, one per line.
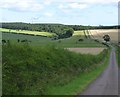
70,12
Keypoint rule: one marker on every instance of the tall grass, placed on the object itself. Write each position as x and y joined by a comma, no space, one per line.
29,70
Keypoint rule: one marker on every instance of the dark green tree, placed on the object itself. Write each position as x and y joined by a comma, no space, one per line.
69,32
106,38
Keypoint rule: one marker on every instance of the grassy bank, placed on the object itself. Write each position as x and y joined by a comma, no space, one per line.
77,85
31,70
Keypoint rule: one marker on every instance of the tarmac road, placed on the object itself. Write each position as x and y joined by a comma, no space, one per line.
107,82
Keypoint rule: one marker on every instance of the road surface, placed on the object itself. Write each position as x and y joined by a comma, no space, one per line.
107,82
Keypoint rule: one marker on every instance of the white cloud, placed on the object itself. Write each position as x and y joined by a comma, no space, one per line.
72,5
21,5
89,1
61,6
77,5
67,5
48,14
99,1
47,2
37,5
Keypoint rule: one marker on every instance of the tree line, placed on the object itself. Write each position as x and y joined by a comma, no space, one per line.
62,31
81,27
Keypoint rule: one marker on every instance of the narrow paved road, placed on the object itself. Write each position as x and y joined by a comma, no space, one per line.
107,82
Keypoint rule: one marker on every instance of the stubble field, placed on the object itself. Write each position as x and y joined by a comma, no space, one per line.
99,33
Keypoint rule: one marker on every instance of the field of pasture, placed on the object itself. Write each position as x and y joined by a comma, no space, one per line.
41,41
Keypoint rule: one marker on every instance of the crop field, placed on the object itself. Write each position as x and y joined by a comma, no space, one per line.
27,32
93,51
98,34
78,33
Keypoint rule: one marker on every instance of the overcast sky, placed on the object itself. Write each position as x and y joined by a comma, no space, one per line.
82,12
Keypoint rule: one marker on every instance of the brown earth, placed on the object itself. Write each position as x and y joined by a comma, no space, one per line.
93,51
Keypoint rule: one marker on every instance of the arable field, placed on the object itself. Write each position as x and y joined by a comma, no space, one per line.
28,32
79,33
93,51
99,33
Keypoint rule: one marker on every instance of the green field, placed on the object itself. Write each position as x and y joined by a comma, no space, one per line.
28,32
67,42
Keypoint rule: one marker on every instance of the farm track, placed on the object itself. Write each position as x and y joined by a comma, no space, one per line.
107,82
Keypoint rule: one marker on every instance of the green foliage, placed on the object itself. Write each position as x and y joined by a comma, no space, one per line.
29,70
81,27
106,38
60,30
80,82
67,33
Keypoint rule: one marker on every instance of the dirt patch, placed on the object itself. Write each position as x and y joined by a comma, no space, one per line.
93,51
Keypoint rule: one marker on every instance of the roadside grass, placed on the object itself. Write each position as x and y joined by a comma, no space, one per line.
118,55
27,32
0,71
78,84
30,70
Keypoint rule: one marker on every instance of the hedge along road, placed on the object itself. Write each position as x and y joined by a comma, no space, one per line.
107,82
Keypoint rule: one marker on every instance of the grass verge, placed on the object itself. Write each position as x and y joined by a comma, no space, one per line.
77,85
118,55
